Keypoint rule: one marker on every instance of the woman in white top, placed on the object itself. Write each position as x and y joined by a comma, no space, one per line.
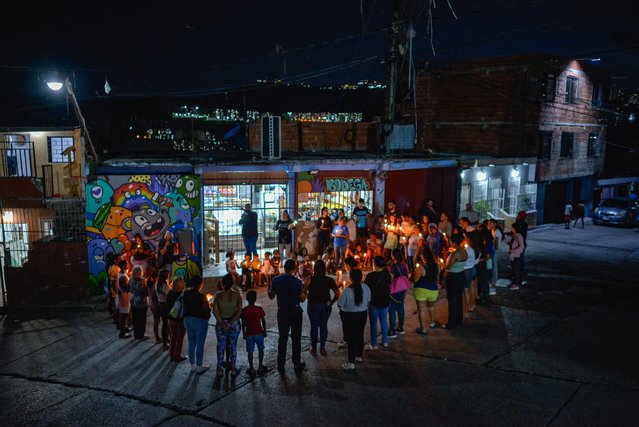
412,246
473,249
498,238
392,230
354,304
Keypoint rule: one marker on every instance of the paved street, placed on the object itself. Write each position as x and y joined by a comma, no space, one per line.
560,351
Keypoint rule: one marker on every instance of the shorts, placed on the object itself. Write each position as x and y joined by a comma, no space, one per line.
252,341
470,274
422,294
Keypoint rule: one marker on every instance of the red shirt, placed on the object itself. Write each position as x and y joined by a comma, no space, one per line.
252,316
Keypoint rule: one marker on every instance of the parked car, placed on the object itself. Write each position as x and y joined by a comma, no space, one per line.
617,210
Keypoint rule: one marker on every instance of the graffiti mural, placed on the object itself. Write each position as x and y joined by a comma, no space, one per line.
120,206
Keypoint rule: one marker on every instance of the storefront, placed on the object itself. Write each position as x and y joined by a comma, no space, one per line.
226,193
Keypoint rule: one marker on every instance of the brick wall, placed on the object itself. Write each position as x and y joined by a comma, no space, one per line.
492,108
317,137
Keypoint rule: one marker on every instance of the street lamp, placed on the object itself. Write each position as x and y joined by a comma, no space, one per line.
55,83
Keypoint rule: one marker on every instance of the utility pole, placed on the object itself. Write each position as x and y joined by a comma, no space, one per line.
393,60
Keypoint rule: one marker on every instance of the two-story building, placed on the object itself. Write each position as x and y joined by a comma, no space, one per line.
531,109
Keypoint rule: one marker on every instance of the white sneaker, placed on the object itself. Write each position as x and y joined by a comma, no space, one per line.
201,369
493,291
348,366
359,360
385,344
372,347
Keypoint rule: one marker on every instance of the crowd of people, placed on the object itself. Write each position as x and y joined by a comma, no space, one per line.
368,278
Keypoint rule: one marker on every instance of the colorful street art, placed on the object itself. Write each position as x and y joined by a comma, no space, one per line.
120,206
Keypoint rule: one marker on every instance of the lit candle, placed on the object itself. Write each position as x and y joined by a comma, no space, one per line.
209,297
356,257
441,260
416,265
420,235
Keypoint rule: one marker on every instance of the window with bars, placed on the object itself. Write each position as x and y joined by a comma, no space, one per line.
57,145
544,145
567,145
548,87
593,145
572,89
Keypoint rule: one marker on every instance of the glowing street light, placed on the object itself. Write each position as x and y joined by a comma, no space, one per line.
55,83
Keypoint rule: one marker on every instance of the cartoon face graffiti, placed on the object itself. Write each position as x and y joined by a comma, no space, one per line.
134,196
150,223
189,187
179,210
99,192
98,251
117,223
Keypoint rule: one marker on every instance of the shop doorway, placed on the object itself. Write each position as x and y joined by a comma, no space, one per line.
223,205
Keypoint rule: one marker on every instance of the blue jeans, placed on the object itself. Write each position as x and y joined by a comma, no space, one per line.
250,243
318,314
196,329
397,307
340,253
375,313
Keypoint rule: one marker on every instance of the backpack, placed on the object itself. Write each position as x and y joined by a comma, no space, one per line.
177,311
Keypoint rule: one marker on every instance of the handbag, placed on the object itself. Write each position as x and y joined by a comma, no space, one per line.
399,284
177,311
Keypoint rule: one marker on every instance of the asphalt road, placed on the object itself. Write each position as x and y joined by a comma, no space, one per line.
560,351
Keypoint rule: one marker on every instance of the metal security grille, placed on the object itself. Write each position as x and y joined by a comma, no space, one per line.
223,205
18,158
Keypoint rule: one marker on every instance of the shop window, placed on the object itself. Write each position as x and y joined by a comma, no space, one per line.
310,205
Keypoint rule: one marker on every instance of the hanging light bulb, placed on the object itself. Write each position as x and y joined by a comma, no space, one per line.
54,81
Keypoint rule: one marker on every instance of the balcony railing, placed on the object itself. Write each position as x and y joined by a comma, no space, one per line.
17,156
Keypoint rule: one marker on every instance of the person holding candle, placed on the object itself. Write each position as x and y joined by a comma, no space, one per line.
354,302
455,279
379,283
344,280
445,226
227,309
284,227
340,241
324,227
472,244
392,236
319,287
415,242
426,290
197,312
176,326
397,269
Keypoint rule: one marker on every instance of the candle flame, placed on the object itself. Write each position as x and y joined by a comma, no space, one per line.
209,297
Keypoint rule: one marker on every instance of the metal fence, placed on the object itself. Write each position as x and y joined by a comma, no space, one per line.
25,221
17,156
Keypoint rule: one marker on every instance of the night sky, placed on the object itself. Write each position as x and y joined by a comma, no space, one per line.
212,47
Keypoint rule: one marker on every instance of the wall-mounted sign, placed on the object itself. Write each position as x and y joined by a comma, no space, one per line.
345,184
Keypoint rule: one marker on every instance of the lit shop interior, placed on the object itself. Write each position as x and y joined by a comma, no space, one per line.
223,204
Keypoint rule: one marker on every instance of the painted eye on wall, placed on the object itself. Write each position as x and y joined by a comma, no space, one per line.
190,185
179,183
151,212
140,220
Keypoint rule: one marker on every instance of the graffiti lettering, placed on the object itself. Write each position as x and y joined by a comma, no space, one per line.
345,184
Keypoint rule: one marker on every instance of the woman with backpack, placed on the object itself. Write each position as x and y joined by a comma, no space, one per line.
176,323
399,284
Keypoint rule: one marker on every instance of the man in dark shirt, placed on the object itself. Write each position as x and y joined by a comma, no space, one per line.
290,293
360,215
248,221
379,283
324,227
